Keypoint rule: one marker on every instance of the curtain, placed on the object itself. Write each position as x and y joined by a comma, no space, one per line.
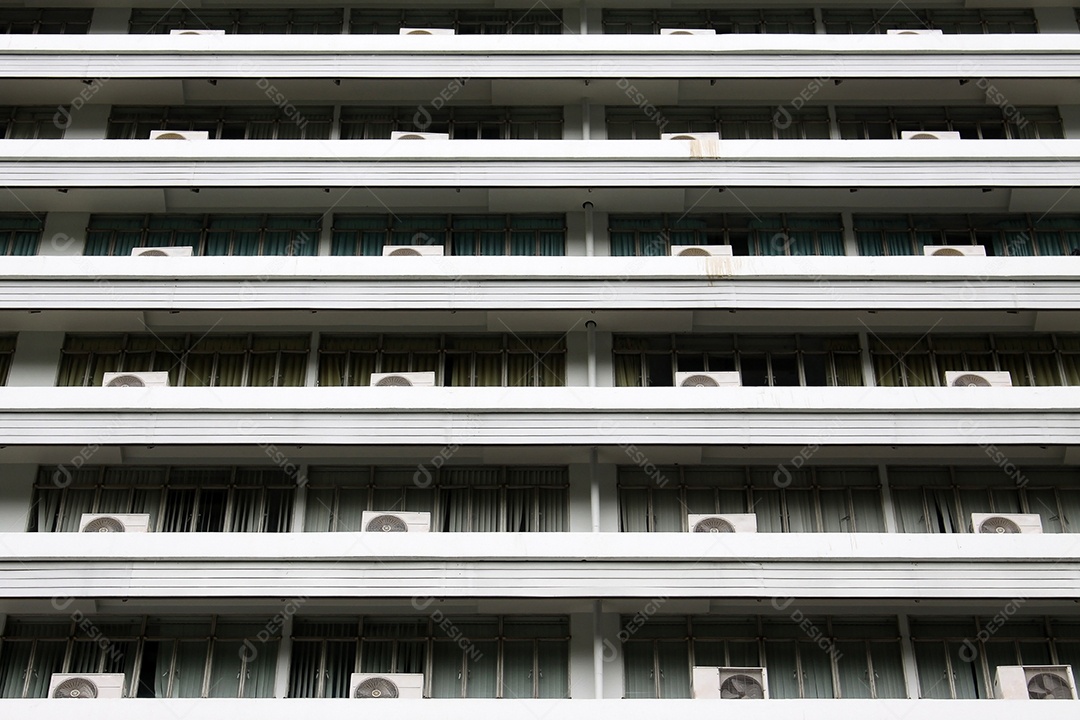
638,668
359,234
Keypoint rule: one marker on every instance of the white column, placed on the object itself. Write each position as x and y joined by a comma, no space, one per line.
64,234
1056,20
16,494
37,359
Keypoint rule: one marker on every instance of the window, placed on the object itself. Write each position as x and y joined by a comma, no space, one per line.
255,123
923,361
973,123
159,657
957,657
652,361
206,234
461,123
942,499
965,21
7,353
195,360
541,21
844,658
783,498
762,234
484,361
650,22
52,21
1002,235
467,657
177,499
484,499
733,123
467,234
20,234
33,123
251,22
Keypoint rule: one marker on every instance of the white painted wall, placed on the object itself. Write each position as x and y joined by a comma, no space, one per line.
64,234
1056,20
37,359
344,709
16,493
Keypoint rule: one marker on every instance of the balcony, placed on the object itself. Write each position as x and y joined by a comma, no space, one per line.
538,283
540,56
853,566
564,416
139,709
120,165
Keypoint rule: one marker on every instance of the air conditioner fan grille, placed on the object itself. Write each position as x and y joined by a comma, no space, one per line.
104,525
76,688
376,687
714,525
387,523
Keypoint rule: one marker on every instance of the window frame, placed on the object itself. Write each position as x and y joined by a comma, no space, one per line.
202,225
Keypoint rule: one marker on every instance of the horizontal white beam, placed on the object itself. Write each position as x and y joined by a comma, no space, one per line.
571,283
555,565
541,56
537,163
514,709
572,416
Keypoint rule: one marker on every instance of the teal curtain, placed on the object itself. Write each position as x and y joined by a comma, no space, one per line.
20,234
359,234
638,235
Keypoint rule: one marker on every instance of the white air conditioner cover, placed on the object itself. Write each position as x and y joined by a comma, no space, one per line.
730,683
403,379
1034,682
913,32
86,685
408,135
701,250
929,135
183,31
412,250
386,685
954,250
375,521
728,522
114,522
687,31
178,251
699,137
135,379
425,31
978,378
707,379
179,135
1006,523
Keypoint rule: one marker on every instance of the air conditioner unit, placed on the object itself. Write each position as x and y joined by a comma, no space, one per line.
403,379
708,379
103,523
412,250
700,137
701,251
375,521
179,251
403,686
86,685
954,250
1001,524
196,32
179,135
901,31
982,378
730,683
1034,682
135,379
728,523
426,31
929,135
408,135
687,31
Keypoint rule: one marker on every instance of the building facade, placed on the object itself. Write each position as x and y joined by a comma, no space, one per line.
670,340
